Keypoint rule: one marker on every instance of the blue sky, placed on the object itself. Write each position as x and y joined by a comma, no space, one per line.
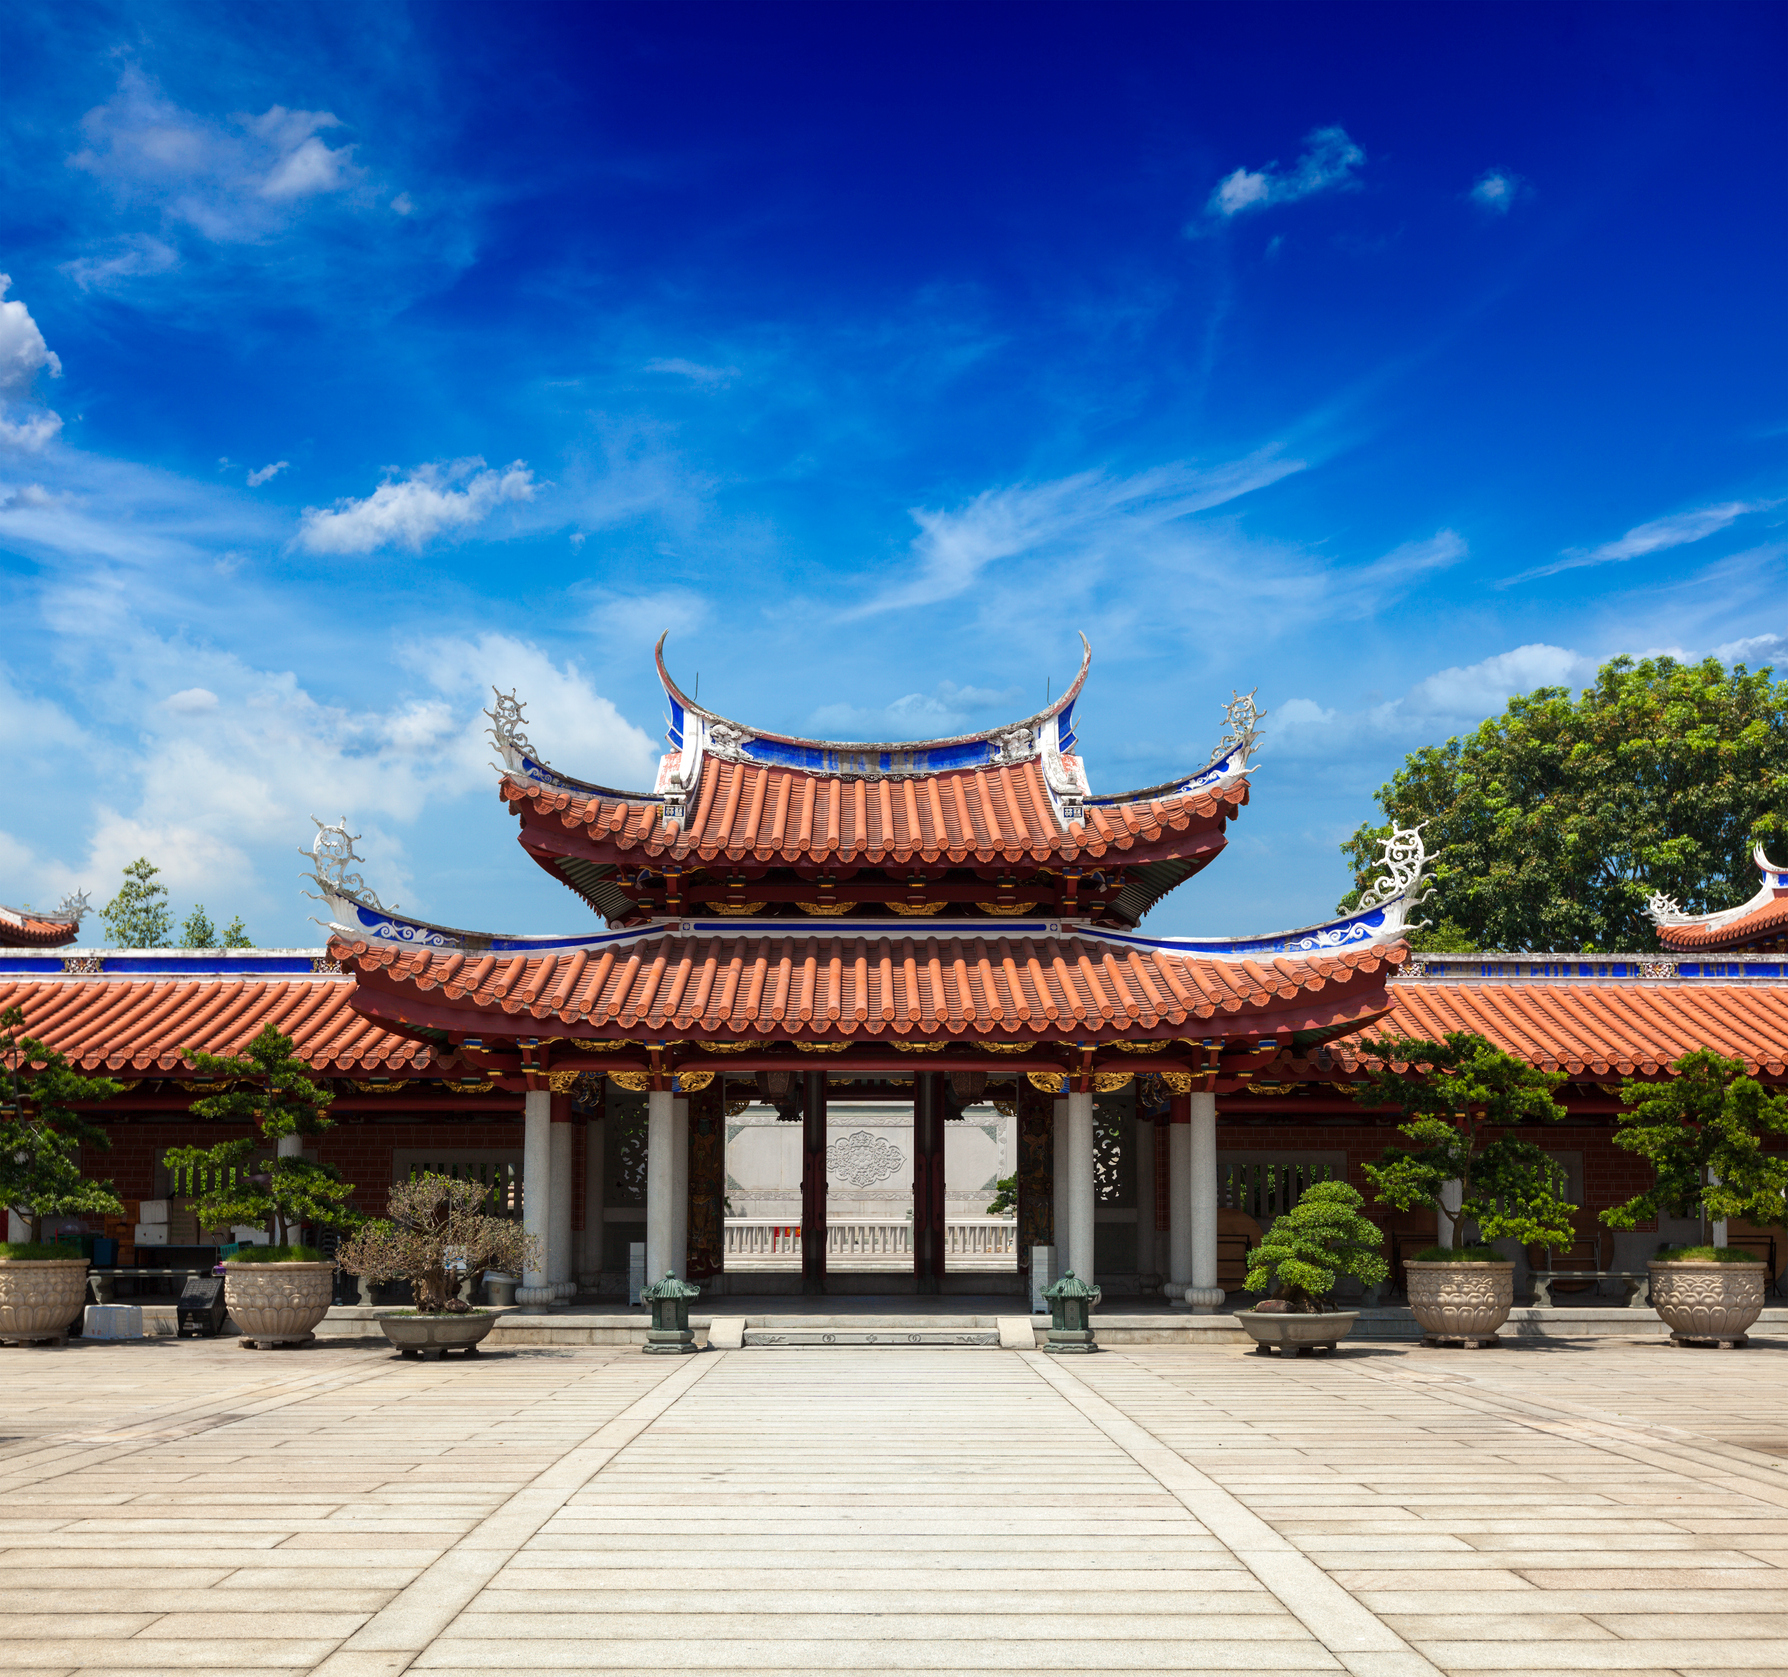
1390,359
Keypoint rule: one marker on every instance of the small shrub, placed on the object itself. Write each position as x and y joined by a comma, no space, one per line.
1707,1255
438,1231
39,1249
1322,1237
1458,1255
275,1255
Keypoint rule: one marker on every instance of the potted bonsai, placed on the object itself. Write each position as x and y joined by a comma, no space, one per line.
276,1294
43,1286
1703,1132
1308,1248
438,1236
1461,1100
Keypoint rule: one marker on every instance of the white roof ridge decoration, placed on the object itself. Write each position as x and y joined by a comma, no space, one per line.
73,908
1665,911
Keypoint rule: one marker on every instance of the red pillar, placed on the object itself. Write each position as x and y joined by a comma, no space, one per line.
813,1182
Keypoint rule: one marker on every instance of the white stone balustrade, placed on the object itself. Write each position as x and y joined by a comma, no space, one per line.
869,1243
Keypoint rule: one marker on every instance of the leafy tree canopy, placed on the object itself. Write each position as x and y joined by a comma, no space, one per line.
247,1180
1702,1132
139,916
41,1135
1552,823
198,932
1453,1094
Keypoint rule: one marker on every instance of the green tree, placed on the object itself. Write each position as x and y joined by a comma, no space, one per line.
247,1180
1702,1132
198,932
139,917
1005,1197
1553,823
41,1134
1322,1237
1451,1094
235,935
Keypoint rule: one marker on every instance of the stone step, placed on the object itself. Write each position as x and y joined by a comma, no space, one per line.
857,1335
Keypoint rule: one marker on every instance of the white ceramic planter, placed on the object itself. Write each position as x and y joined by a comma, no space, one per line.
278,1304
39,1298
1708,1303
1460,1303
434,1336
1296,1333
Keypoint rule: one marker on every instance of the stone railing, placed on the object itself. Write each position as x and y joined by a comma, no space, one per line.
870,1243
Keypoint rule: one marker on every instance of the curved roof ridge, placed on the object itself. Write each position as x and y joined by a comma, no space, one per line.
857,747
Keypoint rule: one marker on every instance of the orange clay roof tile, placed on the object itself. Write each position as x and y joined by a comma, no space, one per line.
775,815
142,1025
1768,921
829,983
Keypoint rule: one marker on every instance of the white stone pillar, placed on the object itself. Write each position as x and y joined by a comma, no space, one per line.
1082,1198
537,1193
1203,1294
1059,1153
292,1147
1179,1209
558,1215
679,1258
594,1136
660,1183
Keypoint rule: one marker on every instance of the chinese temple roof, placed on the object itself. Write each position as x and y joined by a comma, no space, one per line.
140,1010
29,928
1761,920
881,984
733,803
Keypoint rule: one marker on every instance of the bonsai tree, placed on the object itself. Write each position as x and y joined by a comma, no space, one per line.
247,1180
1452,1094
1320,1239
1703,1134
436,1231
41,1134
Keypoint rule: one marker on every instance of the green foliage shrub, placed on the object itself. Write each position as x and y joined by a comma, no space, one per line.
1310,1246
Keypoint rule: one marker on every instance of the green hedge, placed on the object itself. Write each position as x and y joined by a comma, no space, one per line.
275,1255
38,1249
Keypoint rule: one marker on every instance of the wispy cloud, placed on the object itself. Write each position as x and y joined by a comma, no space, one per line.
1496,190
24,423
946,710
410,512
267,473
953,548
1675,530
1328,164
694,371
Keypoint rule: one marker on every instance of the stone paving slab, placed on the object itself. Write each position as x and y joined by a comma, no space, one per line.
190,1508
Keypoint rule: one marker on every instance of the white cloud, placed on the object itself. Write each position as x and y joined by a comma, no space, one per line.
1676,530
953,548
412,511
23,355
403,204
1496,191
232,180
132,258
939,714
191,701
693,370
267,473
1328,164
1750,649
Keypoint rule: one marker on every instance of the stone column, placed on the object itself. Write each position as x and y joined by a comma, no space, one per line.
1179,1198
1203,1294
595,1136
660,1174
292,1147
536,1291
558,1217
813,1182
679,1238
1082,1194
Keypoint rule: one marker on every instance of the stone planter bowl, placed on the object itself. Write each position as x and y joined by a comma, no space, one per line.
278,1304
435,1336
40,1297
1296,1333
1706,1303
1461,1303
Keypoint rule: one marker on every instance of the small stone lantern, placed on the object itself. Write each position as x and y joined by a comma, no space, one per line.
670,1334
1071,1303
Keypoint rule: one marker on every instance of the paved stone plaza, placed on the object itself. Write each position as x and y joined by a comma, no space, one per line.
191,1508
